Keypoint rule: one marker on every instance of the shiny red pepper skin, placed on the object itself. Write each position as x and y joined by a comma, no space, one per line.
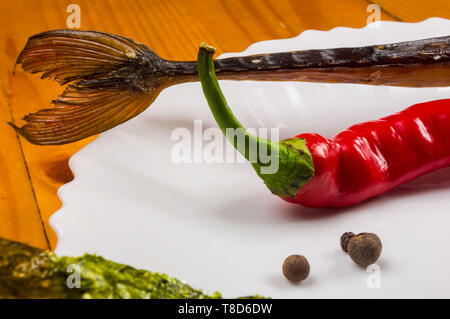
369,159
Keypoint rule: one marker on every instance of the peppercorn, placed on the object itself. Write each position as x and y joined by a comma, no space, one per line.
345,238
364,248
296,268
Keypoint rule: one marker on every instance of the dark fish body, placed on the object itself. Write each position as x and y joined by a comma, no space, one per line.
422,63
111,79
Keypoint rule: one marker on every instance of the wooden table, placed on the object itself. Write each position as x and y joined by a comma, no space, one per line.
31,175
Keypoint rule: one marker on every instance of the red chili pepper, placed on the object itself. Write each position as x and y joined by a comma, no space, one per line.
364,161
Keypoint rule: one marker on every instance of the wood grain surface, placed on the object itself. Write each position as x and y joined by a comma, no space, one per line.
31,175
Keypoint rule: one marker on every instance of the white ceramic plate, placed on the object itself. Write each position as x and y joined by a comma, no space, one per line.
217,227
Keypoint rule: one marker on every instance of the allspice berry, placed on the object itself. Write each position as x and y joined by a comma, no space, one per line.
364,248
296,268
345,238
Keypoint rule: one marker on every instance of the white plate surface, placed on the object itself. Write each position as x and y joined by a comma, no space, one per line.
217,227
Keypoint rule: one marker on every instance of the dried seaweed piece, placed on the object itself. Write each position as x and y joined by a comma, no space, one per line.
27,272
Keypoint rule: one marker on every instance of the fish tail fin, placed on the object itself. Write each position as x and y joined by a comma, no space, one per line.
107,79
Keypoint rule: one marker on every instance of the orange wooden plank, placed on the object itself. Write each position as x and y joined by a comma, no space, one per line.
43,169
30,175
415,10
20,217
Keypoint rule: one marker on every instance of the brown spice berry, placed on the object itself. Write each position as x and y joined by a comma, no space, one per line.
296,268
364,249
345,238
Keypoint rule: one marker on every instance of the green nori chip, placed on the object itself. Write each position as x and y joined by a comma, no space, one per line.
27,272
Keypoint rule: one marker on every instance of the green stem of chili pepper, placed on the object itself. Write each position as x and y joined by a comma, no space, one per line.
284,166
